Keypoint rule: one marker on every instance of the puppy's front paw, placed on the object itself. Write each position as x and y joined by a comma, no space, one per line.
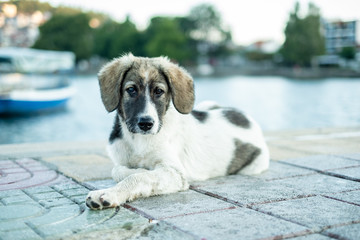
100,199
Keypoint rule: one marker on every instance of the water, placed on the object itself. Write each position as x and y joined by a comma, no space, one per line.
276,103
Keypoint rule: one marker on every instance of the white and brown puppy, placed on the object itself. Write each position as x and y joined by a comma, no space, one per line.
159,143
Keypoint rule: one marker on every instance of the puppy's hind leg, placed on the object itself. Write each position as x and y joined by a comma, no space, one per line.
258,165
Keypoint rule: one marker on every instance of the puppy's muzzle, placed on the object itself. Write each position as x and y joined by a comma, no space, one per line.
145,123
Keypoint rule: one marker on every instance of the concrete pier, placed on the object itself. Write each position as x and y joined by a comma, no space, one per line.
311,191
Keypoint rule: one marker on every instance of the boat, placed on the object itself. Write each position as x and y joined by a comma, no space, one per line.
34,81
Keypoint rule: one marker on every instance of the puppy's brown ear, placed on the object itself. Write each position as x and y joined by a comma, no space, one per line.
110,78
181,85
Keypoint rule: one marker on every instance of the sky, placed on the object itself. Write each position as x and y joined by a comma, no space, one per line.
249,21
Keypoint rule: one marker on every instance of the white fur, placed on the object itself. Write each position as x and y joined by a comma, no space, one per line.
184,150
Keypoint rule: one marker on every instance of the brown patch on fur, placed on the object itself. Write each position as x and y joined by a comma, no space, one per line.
110,78
181,85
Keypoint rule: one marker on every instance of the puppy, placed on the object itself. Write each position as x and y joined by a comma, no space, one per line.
158,143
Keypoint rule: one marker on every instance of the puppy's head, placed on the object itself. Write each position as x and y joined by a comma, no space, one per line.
141,89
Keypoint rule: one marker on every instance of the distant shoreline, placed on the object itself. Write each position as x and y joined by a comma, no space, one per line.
295,73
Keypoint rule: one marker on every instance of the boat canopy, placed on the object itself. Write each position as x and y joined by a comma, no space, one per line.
28,60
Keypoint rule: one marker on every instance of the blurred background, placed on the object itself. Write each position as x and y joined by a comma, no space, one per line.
289,64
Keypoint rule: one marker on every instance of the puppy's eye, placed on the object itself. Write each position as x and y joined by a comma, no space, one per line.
131,91
158,92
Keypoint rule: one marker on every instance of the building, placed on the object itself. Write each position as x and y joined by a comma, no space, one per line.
340,34
19,29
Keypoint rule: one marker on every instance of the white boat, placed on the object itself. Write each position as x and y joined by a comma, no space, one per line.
33,81
33,94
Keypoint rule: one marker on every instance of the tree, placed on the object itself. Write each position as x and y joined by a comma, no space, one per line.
303,39
32,6
207,29
67,33
113,39
348,53
164,37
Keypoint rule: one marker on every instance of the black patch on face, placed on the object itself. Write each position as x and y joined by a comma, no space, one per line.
200,115
132,108
116,132
244,154
236,118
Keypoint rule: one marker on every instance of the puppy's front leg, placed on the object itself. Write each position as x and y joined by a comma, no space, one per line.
120,172
155,182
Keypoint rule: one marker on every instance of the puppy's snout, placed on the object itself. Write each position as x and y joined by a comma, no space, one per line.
145,123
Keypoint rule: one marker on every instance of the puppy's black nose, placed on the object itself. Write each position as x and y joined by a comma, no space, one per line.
145,123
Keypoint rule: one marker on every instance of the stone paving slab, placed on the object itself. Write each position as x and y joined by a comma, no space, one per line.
312,237
25,173
313,192
349,173
319,213
277,170
349,197
83,167
318,184
327,146
56,210
47,149
248,191
345,232
353,156
180,204
245,224
323,162
33,217
322,141
280,152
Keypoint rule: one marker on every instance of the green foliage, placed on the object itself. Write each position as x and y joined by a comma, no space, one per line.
348,53
113,39
303,39
206,28
67,33
164,37
259,56
178,38
27,6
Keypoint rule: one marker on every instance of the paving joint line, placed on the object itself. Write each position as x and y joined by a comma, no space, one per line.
23,167
195,213
340,200
254,208
287,177
321,171
34,199
152,219
346,157
139,212
183,231
290,235
58,191
210,194
279,217
35,229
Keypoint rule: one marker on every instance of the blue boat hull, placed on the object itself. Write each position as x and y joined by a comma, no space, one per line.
22,107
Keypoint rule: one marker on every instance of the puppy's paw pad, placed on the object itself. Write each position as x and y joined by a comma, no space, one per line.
109,199
101,199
